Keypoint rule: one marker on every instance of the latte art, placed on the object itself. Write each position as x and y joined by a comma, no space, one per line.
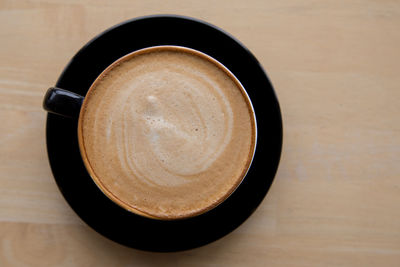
183,125
167,133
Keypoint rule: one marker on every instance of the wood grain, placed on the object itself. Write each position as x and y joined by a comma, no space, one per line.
334,64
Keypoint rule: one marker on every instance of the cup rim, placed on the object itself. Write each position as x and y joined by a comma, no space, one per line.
115,198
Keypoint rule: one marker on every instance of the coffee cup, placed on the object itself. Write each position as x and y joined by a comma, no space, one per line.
165,132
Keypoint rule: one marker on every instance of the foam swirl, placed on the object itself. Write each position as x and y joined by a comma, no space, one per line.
159,124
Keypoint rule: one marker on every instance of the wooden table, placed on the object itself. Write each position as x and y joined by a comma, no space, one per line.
335,67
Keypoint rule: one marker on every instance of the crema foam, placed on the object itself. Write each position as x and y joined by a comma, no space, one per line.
167,132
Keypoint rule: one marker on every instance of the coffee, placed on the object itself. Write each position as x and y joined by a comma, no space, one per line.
167,132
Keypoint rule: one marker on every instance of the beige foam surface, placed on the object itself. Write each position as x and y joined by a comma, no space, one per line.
167,132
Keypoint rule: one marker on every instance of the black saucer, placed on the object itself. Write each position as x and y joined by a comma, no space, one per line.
132,230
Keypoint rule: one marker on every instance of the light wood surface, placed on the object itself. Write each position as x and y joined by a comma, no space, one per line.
335,67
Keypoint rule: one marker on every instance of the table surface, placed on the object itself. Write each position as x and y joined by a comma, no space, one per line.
335,67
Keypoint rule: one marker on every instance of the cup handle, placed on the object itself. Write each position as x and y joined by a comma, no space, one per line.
62,102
